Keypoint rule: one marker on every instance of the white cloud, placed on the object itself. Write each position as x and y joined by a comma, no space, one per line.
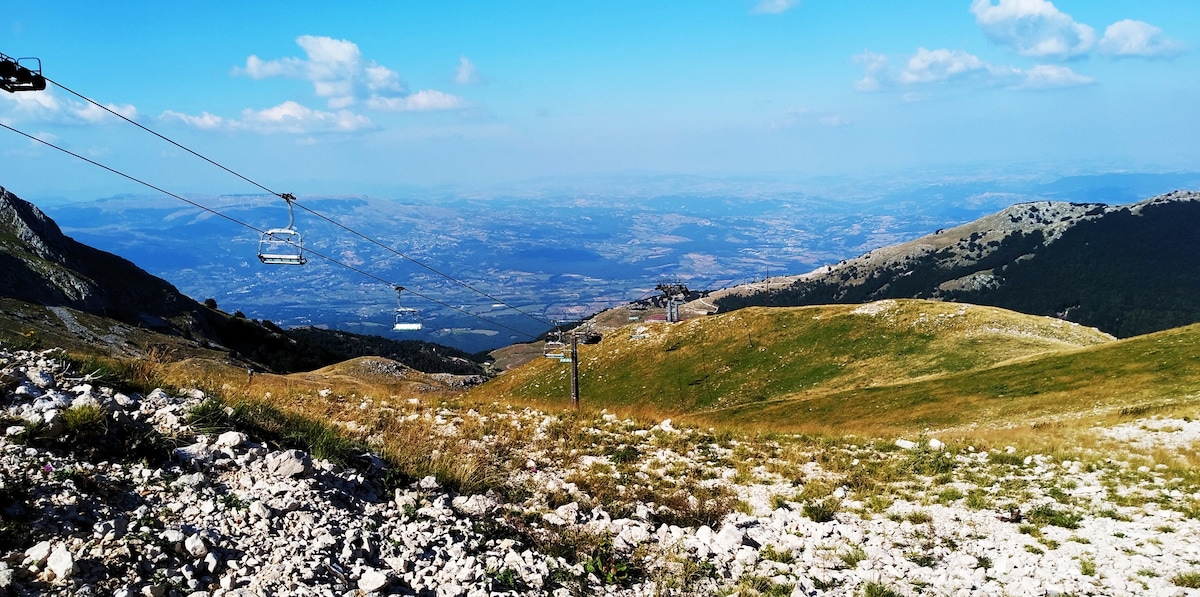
876,75
257,68
466,73
292,117
930,66
288,117
774,7
1033,28
1051,76
203,121
421,101
341,75
942,66
45,107
92,114
1138,38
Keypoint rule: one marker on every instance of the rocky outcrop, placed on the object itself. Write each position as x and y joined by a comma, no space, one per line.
1126,270
39,264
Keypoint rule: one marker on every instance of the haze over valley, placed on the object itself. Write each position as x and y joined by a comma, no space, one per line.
558,253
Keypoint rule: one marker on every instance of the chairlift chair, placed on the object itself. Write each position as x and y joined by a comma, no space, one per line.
407,318
282,246
15,76
554,347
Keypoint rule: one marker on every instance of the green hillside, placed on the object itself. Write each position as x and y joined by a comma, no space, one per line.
755,356
1127,377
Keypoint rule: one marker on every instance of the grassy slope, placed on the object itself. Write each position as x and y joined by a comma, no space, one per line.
757,355
1135,375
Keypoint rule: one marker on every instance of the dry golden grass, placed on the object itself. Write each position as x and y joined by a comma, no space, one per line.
1030,383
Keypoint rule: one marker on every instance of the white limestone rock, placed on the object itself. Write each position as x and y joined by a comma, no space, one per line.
61,564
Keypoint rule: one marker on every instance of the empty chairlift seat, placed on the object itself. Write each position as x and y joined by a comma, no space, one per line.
282,246
407,319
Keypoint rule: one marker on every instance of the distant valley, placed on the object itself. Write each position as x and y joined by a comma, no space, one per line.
553,252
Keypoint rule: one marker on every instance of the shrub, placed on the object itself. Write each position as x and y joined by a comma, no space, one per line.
1087,567
874,589
1188,580
851,557
782,556
821,511
1046,514
919,517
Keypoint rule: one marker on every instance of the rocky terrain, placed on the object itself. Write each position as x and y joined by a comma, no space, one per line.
587,505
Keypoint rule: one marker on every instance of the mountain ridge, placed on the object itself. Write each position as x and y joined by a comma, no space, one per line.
1119,268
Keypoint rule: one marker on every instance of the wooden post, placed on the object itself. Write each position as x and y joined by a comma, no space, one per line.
575,371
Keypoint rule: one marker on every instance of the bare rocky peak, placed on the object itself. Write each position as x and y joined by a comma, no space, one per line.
32,227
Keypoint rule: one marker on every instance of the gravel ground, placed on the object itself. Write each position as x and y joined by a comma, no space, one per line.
629,509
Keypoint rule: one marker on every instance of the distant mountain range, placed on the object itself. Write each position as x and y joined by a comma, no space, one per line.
1127,270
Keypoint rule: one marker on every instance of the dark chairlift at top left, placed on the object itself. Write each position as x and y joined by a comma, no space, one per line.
15,76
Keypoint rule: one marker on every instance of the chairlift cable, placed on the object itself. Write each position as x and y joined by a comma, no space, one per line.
291,199
260,231
159,135
442,274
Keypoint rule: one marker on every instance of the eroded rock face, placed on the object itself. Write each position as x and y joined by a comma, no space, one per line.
47,267
253,519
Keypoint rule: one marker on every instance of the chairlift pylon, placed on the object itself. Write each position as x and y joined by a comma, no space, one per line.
408,319
15,76
283,246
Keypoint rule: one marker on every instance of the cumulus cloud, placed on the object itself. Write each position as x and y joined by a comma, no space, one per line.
1033,28
45,107
1138,38
203,121
774,7
943,66
930,66
1051,76
466,73
294,118
421,101
339,74
288,117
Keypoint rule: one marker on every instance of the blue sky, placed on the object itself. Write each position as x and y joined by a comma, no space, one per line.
378,97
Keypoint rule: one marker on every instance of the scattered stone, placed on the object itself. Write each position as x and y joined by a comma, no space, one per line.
61,563
248,521
373,580
289,463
